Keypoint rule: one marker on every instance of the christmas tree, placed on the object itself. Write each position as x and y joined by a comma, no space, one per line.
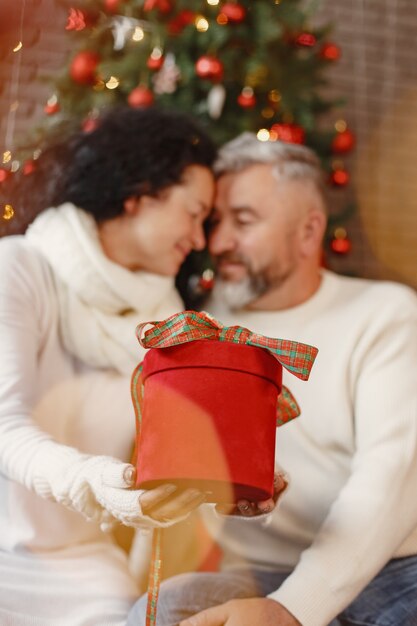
235,65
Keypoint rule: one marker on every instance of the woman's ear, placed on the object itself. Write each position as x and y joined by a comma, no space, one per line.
133,205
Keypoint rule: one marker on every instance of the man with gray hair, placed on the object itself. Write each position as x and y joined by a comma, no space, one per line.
341,548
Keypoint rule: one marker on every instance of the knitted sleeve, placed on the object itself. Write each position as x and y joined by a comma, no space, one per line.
98,487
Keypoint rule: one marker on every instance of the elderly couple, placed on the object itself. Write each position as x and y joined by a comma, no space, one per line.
114,213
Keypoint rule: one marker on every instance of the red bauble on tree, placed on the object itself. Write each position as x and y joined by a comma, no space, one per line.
155,60
306,40
83,67
4,174
340,244
330,51
180,21
246,99
163,6
89,124
29,167
343,142
141,96
234,12
291,133
339,177
52,106
112,6
206,281
209,67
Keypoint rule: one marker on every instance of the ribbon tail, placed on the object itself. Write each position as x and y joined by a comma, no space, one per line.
154,577
154,581
297,358
287,407
136,390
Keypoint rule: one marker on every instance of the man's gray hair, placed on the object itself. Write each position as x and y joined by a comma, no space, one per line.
290,161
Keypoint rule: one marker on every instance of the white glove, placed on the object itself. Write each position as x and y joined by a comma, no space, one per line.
98,487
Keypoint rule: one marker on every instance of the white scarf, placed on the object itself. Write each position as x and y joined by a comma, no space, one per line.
100,302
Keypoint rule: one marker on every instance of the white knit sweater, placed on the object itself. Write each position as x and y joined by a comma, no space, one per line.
56,569
351,455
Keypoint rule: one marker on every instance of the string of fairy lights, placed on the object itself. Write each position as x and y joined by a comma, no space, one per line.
7,156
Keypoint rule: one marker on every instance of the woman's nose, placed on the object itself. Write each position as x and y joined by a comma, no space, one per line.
199,238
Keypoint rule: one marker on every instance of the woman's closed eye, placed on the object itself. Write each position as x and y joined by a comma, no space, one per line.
199,211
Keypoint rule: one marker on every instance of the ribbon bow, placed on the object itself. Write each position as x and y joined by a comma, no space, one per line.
297,358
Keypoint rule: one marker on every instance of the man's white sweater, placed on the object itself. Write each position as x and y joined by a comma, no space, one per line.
351,455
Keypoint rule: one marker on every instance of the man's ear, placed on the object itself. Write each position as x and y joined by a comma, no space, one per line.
313,230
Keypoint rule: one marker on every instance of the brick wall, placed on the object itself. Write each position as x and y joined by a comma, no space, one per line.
377,75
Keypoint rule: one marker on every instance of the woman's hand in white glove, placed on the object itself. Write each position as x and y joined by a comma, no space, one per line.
101,489
162,506
112,483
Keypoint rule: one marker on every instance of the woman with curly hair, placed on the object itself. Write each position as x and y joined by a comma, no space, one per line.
116,212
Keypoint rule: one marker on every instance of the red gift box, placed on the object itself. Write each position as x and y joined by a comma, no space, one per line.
209,419
206,402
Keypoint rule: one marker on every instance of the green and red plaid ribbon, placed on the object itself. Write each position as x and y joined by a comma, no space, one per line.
155,570
297,358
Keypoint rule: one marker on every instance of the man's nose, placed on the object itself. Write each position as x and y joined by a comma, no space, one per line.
221,239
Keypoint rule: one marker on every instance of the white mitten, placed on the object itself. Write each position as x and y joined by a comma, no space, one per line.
98,487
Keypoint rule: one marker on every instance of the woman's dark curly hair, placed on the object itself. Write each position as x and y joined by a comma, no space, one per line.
132,152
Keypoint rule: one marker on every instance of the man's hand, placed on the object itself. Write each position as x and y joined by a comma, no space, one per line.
250,612
252,509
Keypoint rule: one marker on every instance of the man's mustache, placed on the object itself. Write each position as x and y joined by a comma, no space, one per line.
232,257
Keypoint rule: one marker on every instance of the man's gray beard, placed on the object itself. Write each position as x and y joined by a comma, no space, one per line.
238,294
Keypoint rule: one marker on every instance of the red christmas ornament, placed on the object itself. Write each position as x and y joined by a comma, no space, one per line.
112,6
51,108
291,133
183,19
29,167
234,12
306,40
209,67
330,51
155,62
206,284
76,20
141,96
89,124
246,99
4,174
163,6
83,67
340,244
343,142
339,177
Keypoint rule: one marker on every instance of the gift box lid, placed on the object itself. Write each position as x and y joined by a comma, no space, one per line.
208,354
